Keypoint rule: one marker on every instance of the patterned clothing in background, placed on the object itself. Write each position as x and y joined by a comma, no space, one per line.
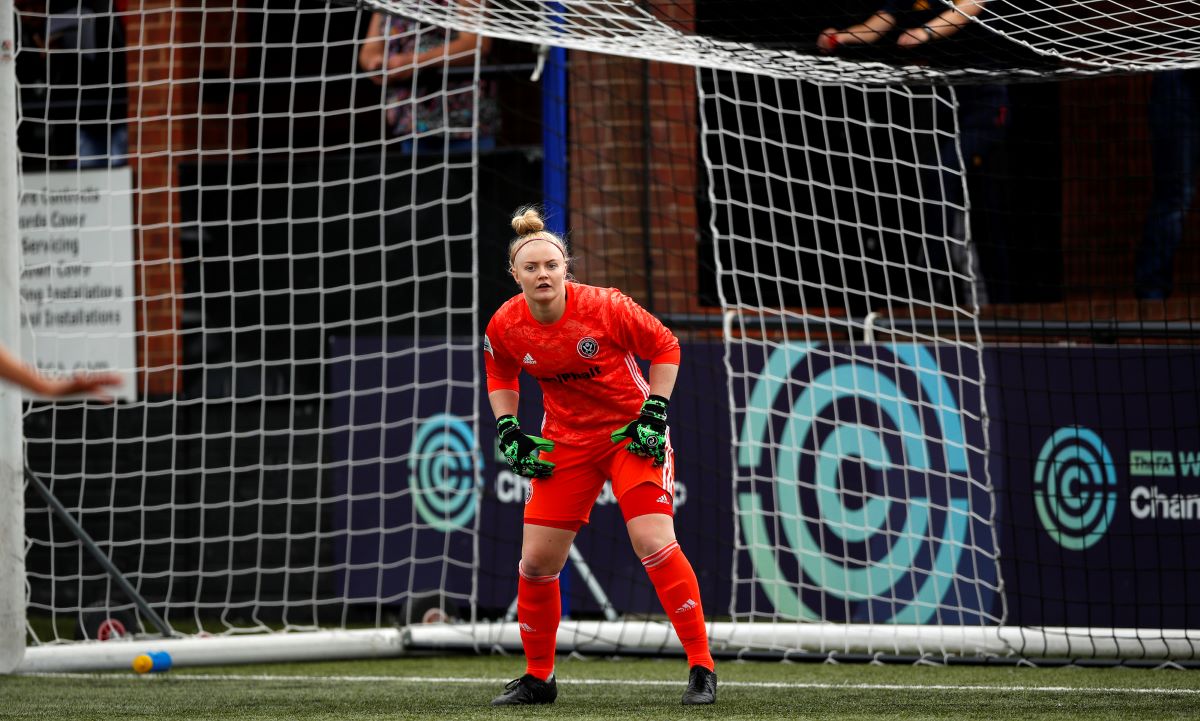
415,105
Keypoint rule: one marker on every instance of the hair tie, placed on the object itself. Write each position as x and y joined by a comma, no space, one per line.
527,241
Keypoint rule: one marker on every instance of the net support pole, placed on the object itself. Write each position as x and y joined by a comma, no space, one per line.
554,181
88,543
12,491
554,139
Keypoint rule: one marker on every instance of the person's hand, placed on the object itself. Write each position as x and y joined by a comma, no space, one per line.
371,62
828,40
400,67
95,385
913,37
521,450
869,31
647,434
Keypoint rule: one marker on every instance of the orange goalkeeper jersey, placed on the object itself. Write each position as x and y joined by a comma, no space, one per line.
584,362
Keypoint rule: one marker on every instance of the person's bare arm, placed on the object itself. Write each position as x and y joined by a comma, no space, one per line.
868,31
370,55
504,402
944,25
662,379
92,384
457,52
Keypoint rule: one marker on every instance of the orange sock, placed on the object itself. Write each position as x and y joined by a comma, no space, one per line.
539,609
679,592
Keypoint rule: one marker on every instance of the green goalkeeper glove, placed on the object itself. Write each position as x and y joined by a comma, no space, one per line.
648,434
519,449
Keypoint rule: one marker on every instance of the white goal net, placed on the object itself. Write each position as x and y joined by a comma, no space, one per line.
284,224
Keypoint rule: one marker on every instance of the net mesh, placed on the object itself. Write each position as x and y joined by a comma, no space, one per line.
287,235
279,255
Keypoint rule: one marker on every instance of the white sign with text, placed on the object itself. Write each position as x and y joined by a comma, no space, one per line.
77,292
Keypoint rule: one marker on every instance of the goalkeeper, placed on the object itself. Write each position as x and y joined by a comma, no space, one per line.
603,420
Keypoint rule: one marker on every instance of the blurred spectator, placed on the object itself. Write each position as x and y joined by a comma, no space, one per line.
72,75
982,122
941,25
1175,156
430,106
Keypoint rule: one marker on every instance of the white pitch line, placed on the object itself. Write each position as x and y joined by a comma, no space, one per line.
620,682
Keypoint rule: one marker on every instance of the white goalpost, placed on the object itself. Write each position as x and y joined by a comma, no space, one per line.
12,506
288,252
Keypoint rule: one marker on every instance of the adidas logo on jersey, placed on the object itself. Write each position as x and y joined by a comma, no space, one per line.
529,361
663,499
527,628
687,606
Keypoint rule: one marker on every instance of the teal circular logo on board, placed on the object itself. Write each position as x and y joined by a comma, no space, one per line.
443,468
855,493
1074,487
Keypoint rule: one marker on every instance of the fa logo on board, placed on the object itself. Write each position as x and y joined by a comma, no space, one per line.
587,347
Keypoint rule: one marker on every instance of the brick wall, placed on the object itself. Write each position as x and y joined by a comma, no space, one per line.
166,124
633,121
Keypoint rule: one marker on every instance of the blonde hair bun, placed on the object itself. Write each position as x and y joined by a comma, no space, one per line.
526,221
530,226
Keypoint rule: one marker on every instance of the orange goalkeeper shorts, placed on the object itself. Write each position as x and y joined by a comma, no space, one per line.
565,499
